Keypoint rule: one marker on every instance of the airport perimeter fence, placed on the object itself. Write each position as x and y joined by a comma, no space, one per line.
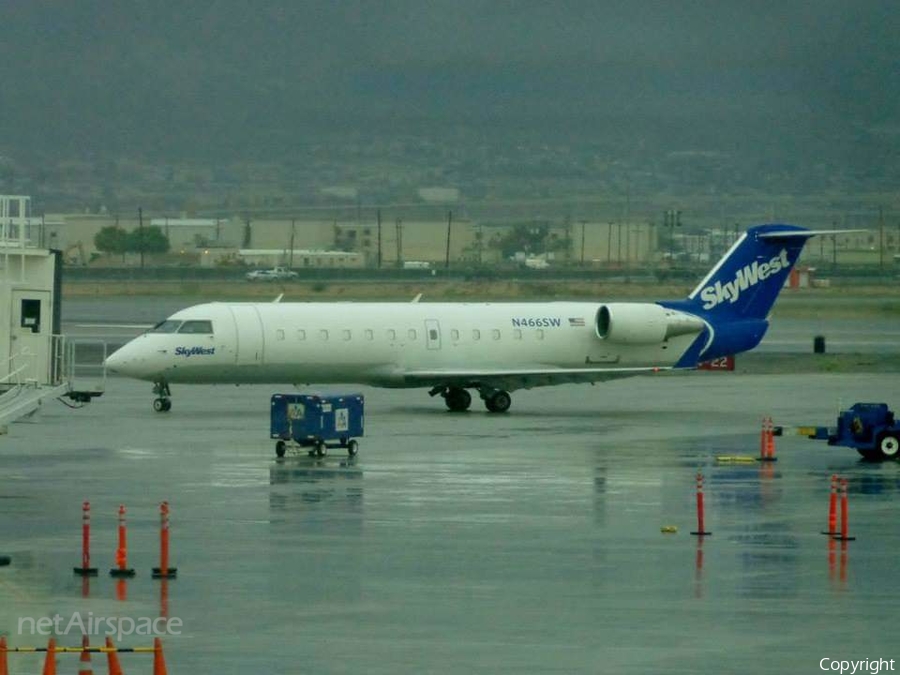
848,274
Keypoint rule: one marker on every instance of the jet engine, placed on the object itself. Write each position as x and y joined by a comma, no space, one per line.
643,323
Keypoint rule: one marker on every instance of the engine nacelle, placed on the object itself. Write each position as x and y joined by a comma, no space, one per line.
643,323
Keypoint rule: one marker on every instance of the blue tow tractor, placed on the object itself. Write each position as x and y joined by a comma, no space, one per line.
869,428
316,422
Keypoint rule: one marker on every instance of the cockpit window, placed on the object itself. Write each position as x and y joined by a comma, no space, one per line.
167,326
195,327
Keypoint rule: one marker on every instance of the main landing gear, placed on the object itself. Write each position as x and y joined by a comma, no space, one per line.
163,400
459,399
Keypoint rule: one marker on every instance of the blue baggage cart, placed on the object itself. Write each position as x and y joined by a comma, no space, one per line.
316,422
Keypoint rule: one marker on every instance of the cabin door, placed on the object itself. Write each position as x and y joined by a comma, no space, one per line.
249,335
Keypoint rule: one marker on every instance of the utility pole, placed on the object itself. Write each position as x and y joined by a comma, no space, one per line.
447,255
141,234
619,245
834,245
399,243
291,254
881,238
609,243
378,256
627,244
583,223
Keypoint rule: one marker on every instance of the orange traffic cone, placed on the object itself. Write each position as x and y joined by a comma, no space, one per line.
112,659
4,662
85,667
159,661
50,661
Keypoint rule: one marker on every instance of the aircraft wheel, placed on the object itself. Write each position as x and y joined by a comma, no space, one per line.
498,402
458,399
888,445
321,450
162,405
280,449
167,404
352,448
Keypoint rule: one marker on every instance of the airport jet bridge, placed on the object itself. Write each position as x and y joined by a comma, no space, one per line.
36,362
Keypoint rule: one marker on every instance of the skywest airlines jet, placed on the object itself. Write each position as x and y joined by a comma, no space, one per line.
492,348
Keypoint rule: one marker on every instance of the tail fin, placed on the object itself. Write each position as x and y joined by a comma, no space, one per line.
746,281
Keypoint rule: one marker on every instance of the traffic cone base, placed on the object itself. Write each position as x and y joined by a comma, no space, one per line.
170,573
121,573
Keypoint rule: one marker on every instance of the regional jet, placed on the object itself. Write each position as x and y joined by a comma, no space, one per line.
452,348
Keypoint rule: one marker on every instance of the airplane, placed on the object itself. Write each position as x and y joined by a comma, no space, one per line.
451,348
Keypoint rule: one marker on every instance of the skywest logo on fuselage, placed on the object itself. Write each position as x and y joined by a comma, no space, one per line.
747,276
538,322
195,351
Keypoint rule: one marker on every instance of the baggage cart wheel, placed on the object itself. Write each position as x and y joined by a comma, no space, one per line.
280,448
888,444
321,450
352,448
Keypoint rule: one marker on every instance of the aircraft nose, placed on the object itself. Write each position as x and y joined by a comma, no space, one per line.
116,362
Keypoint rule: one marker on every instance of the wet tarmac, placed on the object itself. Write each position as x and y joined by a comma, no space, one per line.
461,543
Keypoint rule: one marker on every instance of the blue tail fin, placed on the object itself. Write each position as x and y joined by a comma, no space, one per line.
746,281
735,298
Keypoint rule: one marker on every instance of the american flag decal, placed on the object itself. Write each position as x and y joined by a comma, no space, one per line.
576,323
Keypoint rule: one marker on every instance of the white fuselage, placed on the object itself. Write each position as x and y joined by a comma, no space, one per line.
382,343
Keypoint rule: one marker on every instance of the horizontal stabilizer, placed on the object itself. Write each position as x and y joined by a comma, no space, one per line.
803,233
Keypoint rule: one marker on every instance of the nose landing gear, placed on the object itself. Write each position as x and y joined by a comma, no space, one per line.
163,400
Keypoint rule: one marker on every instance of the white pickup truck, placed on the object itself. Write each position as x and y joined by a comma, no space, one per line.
274,274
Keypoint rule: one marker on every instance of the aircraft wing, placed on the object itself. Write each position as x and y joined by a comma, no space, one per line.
524,378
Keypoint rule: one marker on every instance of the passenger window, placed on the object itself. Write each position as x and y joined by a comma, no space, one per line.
301,334
495,334
539,334
412,334
167,326
517,334
392,334
196,327
279,334
323,334
345,334
476,334
432,334
454,335
369,334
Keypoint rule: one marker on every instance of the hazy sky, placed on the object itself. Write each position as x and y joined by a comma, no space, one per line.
165,77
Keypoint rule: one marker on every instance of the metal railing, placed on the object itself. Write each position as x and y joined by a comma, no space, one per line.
62,366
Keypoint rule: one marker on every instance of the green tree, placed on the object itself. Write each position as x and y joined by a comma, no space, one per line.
148,240
531,239
111,239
